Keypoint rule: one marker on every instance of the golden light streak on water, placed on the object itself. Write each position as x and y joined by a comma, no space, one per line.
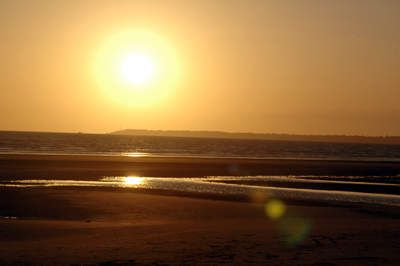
136,154
133,180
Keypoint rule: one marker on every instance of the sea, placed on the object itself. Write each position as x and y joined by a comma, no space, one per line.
342,188
127,145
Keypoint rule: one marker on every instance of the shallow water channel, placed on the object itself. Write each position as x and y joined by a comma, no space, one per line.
261,185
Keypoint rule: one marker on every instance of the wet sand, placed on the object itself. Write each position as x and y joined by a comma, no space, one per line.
123,226
94,167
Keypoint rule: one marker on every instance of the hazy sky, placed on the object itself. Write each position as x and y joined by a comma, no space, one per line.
297,67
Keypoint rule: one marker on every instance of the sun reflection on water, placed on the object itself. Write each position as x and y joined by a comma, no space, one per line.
133,180
136,154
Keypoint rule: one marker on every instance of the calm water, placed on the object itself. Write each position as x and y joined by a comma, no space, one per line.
102,144
366,192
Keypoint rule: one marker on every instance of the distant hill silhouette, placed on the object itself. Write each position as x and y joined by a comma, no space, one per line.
227,135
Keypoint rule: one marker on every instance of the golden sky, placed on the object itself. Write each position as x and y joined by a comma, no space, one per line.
264,66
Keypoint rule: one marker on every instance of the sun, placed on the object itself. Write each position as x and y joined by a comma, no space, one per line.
137,68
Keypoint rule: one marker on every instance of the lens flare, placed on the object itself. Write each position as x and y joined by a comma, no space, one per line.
295,228
275,209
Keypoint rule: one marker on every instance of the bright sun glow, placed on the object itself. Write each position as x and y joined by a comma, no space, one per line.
137,68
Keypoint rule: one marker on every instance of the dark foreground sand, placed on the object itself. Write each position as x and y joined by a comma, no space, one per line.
121,226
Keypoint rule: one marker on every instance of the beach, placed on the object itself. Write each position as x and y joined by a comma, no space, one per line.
125,226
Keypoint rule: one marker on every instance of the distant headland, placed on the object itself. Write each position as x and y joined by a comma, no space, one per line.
262,136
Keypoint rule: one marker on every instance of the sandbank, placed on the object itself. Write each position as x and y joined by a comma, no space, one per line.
81,167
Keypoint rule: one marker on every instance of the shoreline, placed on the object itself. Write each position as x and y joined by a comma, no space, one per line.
386,140
144,155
